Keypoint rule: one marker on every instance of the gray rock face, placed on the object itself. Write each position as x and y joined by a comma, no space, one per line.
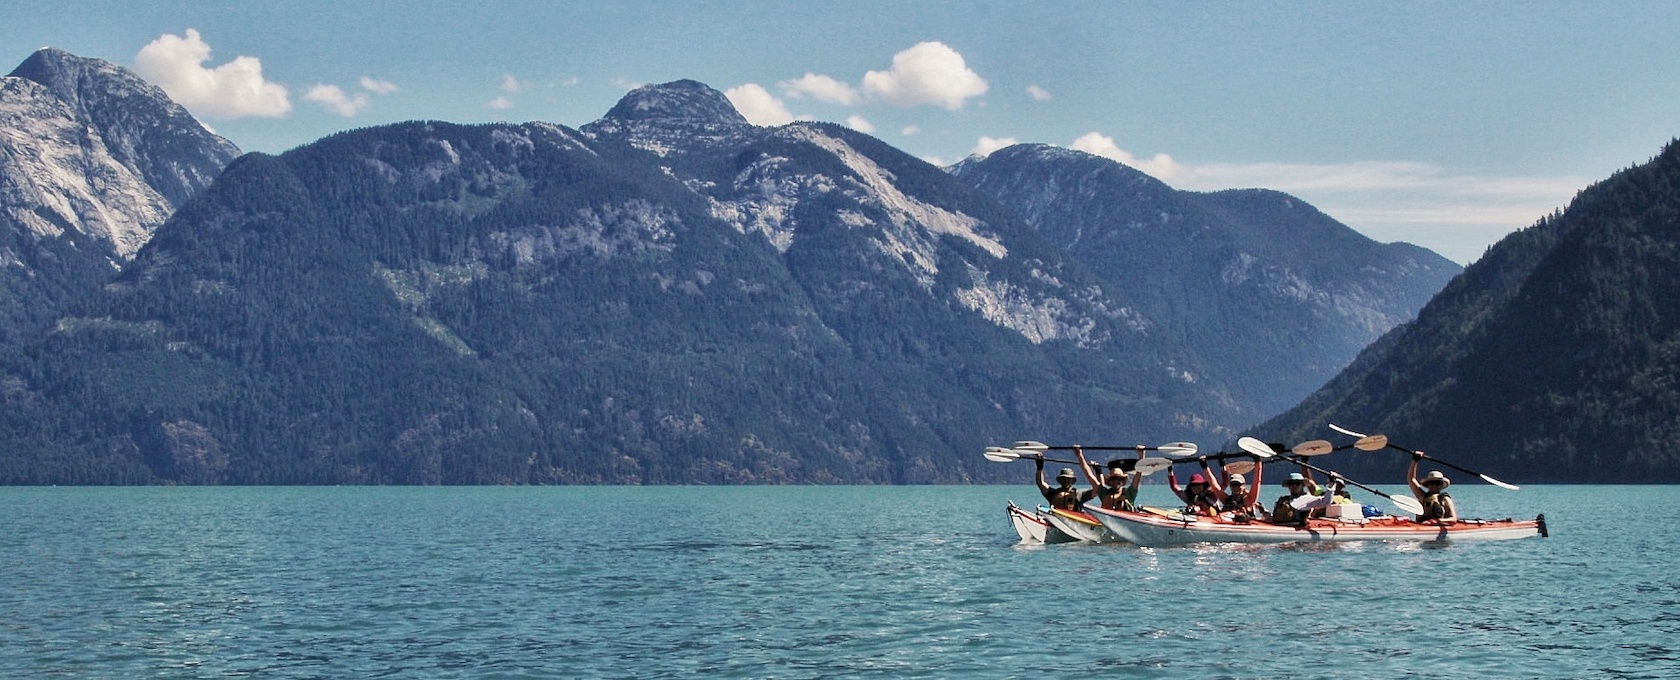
92,160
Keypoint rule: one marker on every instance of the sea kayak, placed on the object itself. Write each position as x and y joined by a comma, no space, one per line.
1034,526
1081,526
1155,527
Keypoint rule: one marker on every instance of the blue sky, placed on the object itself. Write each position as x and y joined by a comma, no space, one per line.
1443,124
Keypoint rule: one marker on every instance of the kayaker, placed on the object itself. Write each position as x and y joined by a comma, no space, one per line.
1112,488
1288,512
1431,493
1198,494
1064,496
1239,498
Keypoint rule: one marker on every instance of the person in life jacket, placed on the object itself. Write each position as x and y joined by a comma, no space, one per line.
1198,495
1240,498
1112,488
1302,499
1431,493
1063,496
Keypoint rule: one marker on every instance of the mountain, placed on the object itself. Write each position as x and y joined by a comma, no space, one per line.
667,295
1273,295
92,160
1551,359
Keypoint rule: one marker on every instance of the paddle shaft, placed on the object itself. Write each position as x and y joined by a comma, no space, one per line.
1426,456
1299,461
1420,454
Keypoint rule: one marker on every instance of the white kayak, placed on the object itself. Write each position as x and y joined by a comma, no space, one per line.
1034,526
1154,527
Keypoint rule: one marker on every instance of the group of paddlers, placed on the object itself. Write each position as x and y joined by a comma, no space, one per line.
1232,497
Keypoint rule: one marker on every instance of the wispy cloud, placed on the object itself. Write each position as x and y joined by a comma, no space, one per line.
335,100
235,89
860,124
1457,214
821,88
378,86
1038,94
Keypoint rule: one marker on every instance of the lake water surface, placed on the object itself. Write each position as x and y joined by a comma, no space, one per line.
799,582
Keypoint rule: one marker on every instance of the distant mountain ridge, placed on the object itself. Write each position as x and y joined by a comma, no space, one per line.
666,295
1273,295
433,303
1551,359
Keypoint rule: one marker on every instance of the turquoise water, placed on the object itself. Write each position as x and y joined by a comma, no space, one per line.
798,582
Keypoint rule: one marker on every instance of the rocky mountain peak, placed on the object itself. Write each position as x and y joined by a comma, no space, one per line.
687,101
142,128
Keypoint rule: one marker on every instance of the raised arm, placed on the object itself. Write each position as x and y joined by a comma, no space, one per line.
1255,486
1412,480
1216,483
1043,486
1085,466
1172,483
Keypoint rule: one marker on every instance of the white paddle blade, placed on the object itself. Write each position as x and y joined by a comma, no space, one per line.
1029,454
1256,447
1375,442
1177,449
1495,482
1241,467
1344,430
998,454
1316,447
1149,466
1030,445
1407,503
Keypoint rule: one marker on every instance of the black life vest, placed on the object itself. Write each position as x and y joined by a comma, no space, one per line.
1433,506
1064,499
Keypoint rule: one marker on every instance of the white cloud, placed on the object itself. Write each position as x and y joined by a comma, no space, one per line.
335,100
820,88
927,73
1160,166
758,105
378,86
986,145
512,85
233,90
910,131
934,160
500,103
1453,213
860,124
1038,94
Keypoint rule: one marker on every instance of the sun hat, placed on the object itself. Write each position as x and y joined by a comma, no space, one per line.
1436,476
1238,479
1294,477
1066,473
1198,479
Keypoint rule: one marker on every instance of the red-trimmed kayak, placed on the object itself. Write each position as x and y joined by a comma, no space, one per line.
1160,527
